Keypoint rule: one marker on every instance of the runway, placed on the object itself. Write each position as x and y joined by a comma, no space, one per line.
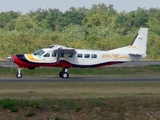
84,79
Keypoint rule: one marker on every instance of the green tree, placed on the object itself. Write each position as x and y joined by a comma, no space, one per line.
154,20
73,16
38,16
140,18
24,23
6,17
52,19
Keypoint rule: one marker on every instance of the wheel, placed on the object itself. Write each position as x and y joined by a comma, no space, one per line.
19,75
61,74
65,75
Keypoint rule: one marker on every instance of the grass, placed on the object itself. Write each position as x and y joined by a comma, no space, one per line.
64,90
118,108
81,100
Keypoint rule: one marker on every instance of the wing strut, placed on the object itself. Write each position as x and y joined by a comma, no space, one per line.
58,58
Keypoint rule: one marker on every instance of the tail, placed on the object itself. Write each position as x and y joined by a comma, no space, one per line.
137,50
140,41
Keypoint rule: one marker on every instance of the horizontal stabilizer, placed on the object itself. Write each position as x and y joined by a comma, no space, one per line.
135,54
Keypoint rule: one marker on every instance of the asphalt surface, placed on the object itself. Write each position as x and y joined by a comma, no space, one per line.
82,79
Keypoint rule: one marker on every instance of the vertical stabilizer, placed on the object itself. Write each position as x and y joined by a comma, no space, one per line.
140,41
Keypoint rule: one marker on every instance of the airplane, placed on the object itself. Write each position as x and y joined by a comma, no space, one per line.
65,57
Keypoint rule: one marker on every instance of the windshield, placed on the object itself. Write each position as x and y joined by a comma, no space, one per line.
39,52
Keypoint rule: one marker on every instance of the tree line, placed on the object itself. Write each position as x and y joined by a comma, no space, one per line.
99,27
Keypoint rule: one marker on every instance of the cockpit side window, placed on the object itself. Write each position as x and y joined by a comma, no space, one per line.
39,53
47,55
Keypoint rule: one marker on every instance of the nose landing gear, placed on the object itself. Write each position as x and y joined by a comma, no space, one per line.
19,74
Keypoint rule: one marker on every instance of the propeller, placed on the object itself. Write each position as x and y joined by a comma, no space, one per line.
11,61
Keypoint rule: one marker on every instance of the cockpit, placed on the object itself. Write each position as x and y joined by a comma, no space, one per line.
39,52
55,51
44,53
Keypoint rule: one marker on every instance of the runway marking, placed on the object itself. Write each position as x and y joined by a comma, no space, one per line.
84,79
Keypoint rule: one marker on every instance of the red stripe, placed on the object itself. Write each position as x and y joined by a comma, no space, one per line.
62,63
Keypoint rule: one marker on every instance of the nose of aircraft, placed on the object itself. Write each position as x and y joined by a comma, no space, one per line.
11,58
17,58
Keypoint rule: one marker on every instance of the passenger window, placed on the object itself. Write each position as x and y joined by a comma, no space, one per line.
70,55
94,56
53,54
62,55
47,55
87,56
79,55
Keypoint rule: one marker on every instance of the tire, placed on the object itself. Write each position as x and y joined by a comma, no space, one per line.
61,74
65,75
19,75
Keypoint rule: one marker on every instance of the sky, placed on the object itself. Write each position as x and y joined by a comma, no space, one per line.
24,6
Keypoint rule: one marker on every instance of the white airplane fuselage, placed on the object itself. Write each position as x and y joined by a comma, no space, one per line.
61,56
83,58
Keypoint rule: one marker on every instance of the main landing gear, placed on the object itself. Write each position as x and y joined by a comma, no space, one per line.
64,73
19,74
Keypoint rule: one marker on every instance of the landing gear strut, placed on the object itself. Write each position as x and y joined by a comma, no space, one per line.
19,74
64,73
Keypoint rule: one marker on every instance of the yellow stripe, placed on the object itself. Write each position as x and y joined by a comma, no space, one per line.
123,57
31,58
133,47
65,58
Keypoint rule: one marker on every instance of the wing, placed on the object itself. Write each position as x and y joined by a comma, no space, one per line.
64,51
